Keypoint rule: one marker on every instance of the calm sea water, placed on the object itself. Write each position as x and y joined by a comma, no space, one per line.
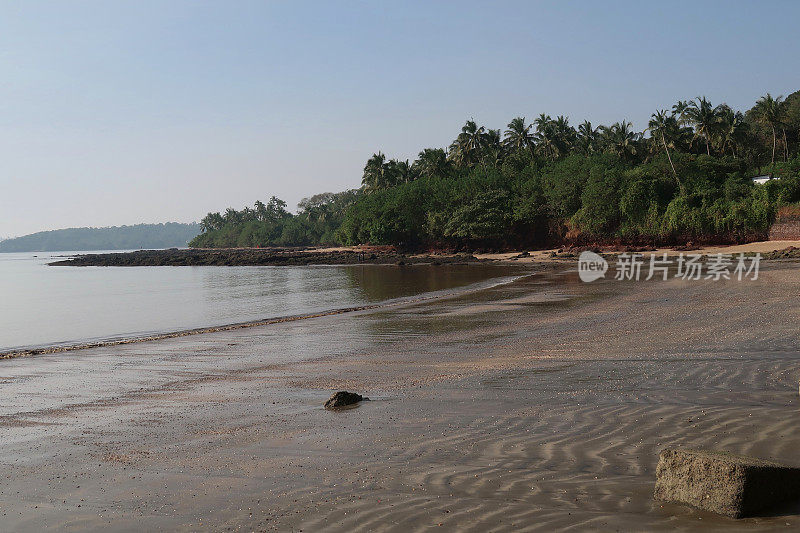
42,305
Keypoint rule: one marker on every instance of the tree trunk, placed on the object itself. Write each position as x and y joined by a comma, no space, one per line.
708,147
664,140
774,140
674,173
785,147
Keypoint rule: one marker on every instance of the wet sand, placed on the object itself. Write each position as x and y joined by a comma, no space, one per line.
537,405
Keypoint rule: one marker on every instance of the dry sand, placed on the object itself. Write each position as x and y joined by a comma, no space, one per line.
536,405
538,256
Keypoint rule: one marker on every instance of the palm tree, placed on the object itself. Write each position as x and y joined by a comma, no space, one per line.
400,172
466,149
261,210
587,137
232,216
375,172
564,136
518,136
546,136
211,222
679,110
431,162
492,149
276,209
732,129
565,133
621,139
768,112
665,126
318,208
247,214
702,115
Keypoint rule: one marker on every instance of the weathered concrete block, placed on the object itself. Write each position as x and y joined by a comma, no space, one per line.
728,484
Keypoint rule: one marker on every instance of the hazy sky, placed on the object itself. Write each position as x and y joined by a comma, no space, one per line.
115,112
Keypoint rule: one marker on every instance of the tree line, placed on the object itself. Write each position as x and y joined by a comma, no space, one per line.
270,224
686,176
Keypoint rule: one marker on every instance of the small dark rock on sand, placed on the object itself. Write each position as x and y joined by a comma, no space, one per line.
343,399
732,485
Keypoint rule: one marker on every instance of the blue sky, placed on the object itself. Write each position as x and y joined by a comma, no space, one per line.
124,112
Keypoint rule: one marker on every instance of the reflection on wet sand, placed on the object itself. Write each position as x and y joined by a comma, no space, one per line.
47,306
148,303
387,282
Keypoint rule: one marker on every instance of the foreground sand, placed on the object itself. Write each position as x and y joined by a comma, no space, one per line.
536,405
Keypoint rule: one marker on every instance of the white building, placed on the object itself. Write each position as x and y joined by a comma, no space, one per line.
761,180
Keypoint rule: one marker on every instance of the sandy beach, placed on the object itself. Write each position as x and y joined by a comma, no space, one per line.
759,247
533,405
399,267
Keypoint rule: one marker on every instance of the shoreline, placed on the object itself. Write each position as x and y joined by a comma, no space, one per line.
376,255
444,293
175,334
536,261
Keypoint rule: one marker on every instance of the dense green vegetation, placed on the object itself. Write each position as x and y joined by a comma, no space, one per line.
271,224
686,177
171,234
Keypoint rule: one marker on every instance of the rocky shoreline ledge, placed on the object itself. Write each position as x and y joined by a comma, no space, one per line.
372,255
257,256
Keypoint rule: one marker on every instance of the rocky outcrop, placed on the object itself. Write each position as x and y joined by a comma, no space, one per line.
256,256
343,399
791,252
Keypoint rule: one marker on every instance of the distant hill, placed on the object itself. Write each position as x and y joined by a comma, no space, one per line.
168,235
